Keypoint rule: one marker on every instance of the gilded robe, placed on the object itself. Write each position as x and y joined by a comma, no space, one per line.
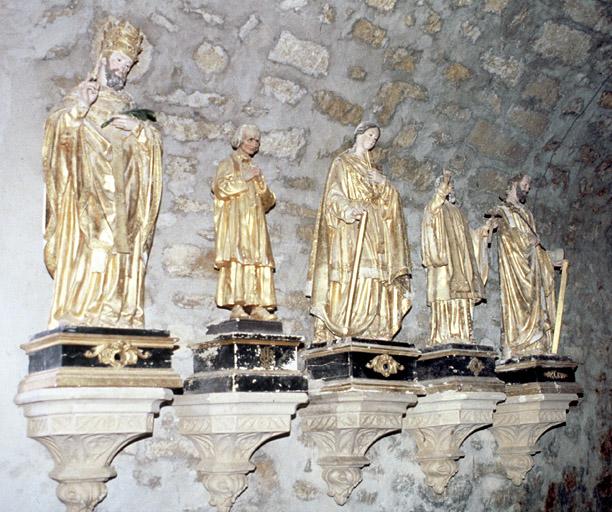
383,294
527,285
243,254
457,269
103,190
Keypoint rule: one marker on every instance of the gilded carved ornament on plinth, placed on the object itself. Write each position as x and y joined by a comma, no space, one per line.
117,354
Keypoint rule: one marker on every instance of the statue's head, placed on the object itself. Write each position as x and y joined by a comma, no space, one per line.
366,134
121,44
247,137
519,184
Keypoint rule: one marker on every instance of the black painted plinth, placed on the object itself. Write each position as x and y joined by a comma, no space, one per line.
456,360
246,326
74,356
458,366
364,360
537,368
237,361
67,346
548,373
109,331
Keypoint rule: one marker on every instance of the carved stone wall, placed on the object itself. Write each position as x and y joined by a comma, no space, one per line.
488,87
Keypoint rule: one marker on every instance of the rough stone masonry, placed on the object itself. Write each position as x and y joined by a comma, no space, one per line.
485,87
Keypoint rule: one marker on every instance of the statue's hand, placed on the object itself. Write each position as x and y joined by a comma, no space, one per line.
376,176
125,123
354,213
445,186
252,173
88,92
491,224
556,257
533,240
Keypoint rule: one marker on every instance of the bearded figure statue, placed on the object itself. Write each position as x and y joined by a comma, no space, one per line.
526,273
103,178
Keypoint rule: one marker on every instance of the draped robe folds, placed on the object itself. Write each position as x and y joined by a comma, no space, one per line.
383,294
457,268
243,254
527,285
103,190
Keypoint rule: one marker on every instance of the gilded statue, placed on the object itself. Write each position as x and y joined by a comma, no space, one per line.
103,179
359,272
526,272
243,254
457,266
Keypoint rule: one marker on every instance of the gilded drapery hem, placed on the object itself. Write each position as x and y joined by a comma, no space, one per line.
245,285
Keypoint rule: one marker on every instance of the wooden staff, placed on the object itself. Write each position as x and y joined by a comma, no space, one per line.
354,274
559,316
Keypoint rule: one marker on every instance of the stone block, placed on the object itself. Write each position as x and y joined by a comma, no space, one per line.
489,140
508,69
367,32
284,91
337,108
308,57
560,42
457,73
284,144
382,5
531,122
211,58
391,94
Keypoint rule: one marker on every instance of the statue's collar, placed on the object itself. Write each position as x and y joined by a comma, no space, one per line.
241,156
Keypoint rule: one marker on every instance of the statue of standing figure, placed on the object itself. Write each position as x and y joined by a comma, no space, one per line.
103,181
456,259
243,254
526,272
359,270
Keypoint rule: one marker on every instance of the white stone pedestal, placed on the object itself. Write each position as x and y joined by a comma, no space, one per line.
226,428
84,429
440,423
520,421
343,425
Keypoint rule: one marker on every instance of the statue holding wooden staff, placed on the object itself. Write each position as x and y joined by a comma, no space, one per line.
529,309
359,270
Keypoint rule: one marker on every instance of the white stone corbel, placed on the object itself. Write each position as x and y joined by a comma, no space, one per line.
520,421
440,423
343,425
84,429
226,429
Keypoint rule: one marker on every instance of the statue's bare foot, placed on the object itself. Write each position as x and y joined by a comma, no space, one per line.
261,313
238,313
